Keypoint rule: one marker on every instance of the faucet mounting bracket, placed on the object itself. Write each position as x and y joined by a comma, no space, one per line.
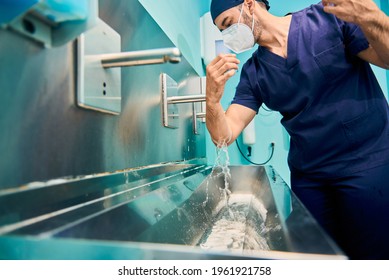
173,94
169,87
98,88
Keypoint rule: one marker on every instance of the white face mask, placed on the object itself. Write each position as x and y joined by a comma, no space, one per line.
238,37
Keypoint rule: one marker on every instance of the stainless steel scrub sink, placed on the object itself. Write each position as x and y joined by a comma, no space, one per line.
168,211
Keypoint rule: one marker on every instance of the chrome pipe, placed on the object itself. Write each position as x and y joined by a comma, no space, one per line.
186,99
146,57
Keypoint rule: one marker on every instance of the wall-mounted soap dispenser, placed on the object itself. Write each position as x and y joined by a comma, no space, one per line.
212,42
50,22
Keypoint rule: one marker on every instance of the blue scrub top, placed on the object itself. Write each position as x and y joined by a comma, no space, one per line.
331,102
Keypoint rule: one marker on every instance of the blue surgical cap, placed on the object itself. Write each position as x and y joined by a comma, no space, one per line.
219,6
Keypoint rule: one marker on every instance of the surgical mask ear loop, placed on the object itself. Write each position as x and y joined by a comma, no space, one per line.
240,16
252,25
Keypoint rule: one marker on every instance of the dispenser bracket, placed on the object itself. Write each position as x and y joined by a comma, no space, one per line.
51,23
169,87
98,88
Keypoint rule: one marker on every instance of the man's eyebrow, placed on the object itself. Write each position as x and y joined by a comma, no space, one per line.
224,21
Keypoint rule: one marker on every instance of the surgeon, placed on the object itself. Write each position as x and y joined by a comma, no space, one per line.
313,67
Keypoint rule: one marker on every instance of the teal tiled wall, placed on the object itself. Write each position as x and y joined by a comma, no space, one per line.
180,20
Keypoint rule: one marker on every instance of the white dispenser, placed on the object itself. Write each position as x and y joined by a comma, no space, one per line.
211,39
50,22
249,134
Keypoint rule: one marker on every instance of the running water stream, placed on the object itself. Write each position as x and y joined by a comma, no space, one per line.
231,229
220,169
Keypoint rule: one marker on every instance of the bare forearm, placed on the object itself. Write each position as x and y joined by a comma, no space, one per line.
366,14
222,68
217,125
375,26
224,127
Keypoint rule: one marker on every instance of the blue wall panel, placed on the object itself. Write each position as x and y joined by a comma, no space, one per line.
180,20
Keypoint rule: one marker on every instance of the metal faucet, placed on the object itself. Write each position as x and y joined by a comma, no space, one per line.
169,89
144,57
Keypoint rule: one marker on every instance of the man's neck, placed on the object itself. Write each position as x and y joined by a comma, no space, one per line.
274,33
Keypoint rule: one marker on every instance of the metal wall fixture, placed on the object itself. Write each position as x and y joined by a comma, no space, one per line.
99,59
198,116
51,23
173,94
135,58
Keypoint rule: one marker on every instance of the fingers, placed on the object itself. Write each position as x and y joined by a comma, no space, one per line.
331,2
226,68
334,7
341,10
327,3
329,6
223,67
224,58
223,64
330,9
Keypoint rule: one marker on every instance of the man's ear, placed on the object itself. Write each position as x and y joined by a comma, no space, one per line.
250,5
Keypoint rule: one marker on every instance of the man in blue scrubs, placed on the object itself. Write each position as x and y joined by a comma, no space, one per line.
313,67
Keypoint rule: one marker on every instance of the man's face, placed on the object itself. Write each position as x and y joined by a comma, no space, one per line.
228,18
231,16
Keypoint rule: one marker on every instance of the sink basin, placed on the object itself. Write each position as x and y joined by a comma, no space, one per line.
168,211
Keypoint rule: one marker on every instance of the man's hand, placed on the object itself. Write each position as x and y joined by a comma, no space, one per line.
373,22
354,11
222,68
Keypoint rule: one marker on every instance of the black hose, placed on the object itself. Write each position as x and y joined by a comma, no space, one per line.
271,154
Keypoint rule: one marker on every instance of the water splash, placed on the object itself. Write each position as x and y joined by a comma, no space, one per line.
239,233
221,169
239,221
223,163
206,193
126,177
